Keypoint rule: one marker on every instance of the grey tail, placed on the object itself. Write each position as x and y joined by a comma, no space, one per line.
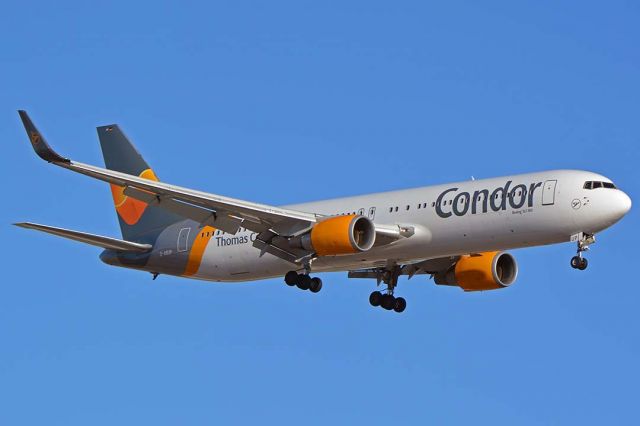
139,221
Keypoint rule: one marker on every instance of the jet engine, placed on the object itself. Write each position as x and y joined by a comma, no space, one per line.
338,235
482,271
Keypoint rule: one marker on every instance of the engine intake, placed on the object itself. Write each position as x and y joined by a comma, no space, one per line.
338,235
483,271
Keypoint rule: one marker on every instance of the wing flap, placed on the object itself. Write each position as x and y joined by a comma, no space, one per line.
202,215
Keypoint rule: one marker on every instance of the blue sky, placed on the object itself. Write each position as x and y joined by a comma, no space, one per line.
284,102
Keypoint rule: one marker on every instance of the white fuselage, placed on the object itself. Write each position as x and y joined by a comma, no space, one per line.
446,220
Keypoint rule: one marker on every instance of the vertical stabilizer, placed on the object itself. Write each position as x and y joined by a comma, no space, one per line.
138,220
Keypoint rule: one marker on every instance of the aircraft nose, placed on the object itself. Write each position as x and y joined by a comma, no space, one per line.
620,205
624,203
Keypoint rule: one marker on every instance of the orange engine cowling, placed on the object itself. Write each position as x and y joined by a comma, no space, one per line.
338,235
483,271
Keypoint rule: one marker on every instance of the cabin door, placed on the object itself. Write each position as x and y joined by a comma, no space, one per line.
549,192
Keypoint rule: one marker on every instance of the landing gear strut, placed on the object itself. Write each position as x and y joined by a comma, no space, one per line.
583,241
387,300
303,281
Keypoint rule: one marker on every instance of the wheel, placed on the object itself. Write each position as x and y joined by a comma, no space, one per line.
388,302
316,285
304,282
583,264
291,278
375,298
400,305
575,262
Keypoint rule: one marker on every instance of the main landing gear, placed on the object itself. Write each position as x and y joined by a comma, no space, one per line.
583,241
303,281
387,300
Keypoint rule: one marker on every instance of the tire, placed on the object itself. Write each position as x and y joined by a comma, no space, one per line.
291,278
575,262
583,264
400,305
316,285
388,302
375,298
304,282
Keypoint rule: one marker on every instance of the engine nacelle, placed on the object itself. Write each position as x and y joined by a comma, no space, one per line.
483,271
338,235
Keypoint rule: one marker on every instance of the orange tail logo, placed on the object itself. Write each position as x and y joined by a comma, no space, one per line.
35,138
130,209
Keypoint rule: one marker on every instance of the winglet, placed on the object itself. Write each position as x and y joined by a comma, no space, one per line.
40,145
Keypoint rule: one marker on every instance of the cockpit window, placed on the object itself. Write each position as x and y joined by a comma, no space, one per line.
593,184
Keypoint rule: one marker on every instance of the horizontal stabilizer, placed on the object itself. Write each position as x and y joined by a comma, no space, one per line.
83,237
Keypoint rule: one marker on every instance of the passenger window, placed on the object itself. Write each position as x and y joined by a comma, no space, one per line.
433,204
407,206
396,208
390,209
372,213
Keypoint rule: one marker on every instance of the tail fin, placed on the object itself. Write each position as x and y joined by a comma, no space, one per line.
137,218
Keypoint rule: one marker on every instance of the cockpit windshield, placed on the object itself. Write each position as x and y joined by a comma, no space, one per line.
593,184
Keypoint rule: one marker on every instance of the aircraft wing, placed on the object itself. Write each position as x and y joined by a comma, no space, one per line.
274,225
222,212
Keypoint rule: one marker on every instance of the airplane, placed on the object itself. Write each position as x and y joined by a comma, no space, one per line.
454,233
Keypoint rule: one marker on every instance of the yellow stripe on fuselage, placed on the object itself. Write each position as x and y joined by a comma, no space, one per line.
197,250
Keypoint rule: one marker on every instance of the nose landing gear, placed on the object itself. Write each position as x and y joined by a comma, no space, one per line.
579,262
583,241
